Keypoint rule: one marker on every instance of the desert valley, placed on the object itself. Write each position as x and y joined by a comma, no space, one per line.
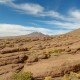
39,39
40,57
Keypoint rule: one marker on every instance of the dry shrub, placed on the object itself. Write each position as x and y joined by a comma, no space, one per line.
22,76
48,78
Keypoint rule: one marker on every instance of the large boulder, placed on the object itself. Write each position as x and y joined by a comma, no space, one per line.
43,56
13,59
32,58
23,57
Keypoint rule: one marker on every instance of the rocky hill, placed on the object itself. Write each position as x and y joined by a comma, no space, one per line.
40,54
75,32
36,34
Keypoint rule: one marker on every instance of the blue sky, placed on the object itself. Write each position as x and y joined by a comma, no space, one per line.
20,17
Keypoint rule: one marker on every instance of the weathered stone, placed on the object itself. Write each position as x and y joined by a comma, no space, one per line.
32,59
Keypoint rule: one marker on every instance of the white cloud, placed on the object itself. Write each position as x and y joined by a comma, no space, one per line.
14,30
33,9
52,14
6,1
70,22
67,25
28,8
58,32
75,14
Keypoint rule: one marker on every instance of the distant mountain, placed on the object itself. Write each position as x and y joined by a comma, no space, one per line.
31,35
36,34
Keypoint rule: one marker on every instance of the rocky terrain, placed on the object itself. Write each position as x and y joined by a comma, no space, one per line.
40,54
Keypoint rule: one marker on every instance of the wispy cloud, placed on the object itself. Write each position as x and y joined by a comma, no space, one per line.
6,1
66,25
14,30
34,9
70,22
28,8
31,8
75,13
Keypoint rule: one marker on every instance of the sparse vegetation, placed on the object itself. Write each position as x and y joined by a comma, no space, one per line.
66,77
56,51
22,76
72,76
48,78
